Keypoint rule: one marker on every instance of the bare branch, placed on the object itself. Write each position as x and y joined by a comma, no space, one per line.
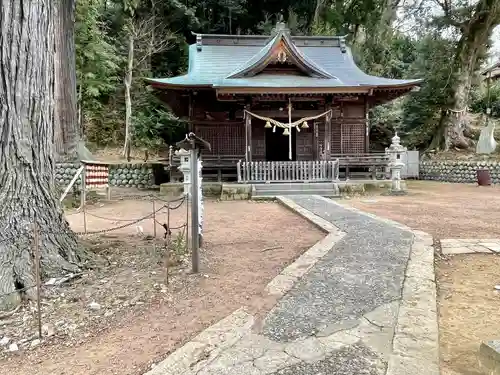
150,38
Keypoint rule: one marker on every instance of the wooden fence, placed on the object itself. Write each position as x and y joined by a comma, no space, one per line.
288,171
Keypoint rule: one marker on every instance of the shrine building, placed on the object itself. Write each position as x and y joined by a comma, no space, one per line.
277,98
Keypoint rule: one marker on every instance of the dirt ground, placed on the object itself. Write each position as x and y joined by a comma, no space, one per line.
122,318
468,304
444,210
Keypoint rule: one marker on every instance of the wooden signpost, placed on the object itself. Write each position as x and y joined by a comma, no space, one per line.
195,145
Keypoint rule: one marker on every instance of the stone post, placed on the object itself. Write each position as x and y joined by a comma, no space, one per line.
185,168
395,151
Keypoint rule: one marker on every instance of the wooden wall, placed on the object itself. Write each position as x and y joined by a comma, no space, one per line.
225,138
304,143
348,134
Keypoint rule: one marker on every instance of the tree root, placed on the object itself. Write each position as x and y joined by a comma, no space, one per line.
10,313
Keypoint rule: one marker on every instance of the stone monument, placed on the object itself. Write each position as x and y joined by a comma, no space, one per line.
486,143
395,151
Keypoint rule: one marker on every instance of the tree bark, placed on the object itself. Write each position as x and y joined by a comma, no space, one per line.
472,44
27,189
318,12
128,99
66,127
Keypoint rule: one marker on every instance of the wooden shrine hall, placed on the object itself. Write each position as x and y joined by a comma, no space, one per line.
298,103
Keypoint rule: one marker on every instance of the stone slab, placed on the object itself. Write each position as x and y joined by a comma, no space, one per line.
367,266
380,315
493,246
452,246
457,250
489,357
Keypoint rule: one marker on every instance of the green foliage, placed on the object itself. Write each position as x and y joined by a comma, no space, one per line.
101,37
97,61
384,121
379,47
482,99
421,111
153,125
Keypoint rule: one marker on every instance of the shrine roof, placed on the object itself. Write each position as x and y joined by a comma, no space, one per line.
236,63
493,71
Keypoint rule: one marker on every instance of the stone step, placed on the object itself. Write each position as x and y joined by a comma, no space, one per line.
275,193
327,189
295,186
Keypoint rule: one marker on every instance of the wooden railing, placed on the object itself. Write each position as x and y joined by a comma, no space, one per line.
373,165
288,171
367,159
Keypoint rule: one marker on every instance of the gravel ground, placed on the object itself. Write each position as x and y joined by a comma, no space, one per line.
140,318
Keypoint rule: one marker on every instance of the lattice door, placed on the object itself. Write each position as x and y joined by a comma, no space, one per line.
225,139
353,138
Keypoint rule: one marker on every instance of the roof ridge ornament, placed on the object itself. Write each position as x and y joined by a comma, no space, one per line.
280,27
199,43
280,48
343,45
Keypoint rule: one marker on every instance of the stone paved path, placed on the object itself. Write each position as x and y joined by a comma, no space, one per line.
350,305
451,246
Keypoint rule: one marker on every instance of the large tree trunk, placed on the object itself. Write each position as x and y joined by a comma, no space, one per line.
471,46
318,12
128,99
453,121
27,152
66,127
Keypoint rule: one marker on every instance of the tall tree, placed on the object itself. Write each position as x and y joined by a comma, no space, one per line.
475,24
66,125
146,36
27,189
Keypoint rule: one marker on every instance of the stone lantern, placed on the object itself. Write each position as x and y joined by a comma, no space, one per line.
395,152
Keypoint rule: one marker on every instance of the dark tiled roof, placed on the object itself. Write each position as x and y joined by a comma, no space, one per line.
219,57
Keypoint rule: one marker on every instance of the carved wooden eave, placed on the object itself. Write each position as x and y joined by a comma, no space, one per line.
280,50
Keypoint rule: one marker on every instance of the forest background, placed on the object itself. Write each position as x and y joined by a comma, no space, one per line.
446,42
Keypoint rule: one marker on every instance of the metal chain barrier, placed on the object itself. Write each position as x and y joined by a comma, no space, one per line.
129,222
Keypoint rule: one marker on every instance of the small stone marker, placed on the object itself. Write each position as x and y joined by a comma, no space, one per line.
489,357
48,329
35,343
94,306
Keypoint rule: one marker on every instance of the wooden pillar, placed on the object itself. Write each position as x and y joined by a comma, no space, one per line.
248,135
315,129
328,133
367,124
191,113
341,124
